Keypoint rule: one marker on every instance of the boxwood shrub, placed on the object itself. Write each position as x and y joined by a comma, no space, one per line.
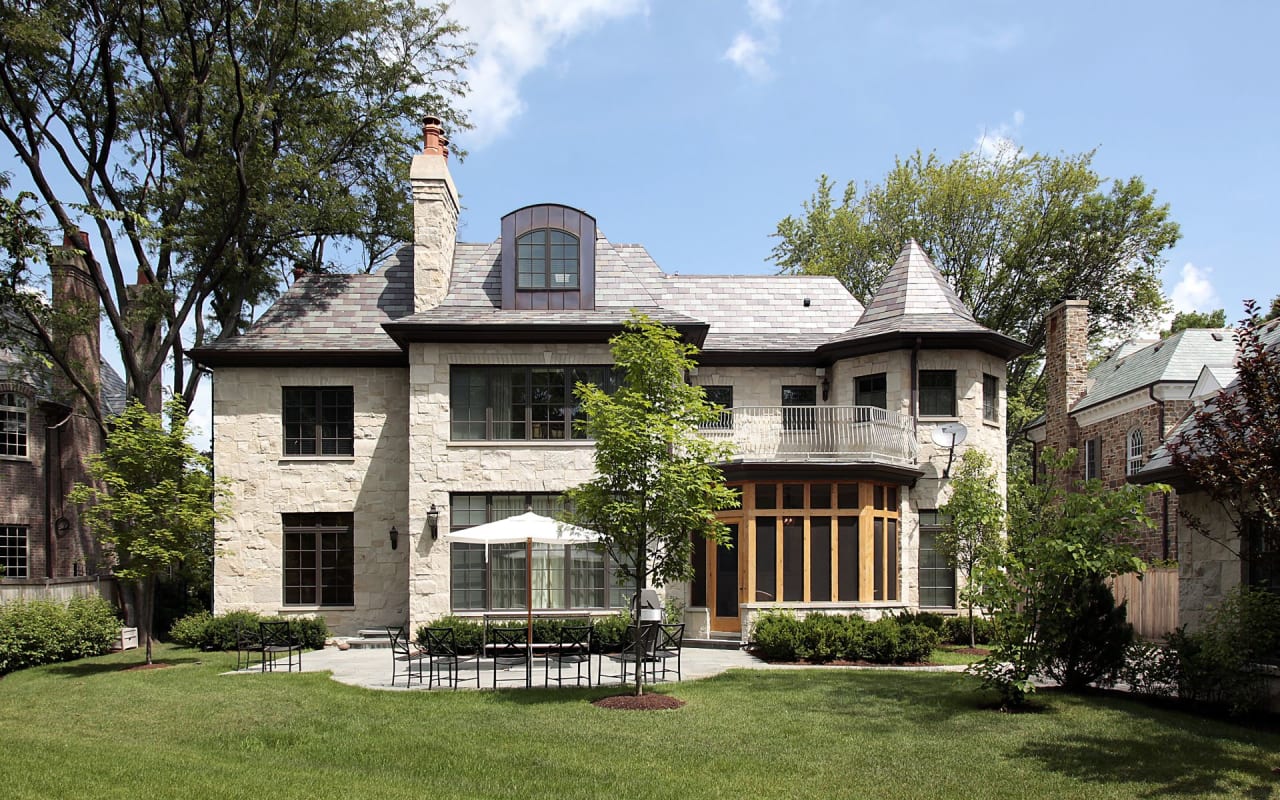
205,631
607,632
819,638
955,630
35,632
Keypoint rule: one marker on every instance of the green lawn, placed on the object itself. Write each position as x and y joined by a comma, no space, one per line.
87,729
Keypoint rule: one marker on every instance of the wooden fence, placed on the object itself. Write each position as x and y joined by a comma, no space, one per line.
60,589
1153,601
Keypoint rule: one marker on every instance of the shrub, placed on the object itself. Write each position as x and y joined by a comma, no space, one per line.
1083,634
1150,669
915,644
821,638
1220,663
204,631
1005,672
776,635
931,620
955,630
880,641
609,633
36,632
468,633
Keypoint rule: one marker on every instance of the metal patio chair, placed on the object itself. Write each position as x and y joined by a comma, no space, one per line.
508,647
572,647
248,642
277,640
636,650
669,642
442,657
402,650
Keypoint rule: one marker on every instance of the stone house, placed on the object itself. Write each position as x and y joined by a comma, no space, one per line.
1210,566
1117,413
46,437
364,416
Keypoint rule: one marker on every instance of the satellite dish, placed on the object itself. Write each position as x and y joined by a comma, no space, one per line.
949,435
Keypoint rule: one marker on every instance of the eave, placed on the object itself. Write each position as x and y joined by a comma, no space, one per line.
406,333
996,344
217,357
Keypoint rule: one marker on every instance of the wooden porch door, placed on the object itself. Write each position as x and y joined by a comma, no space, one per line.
724,584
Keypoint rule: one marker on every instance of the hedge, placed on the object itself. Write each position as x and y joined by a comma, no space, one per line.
818,638
204,631
35,632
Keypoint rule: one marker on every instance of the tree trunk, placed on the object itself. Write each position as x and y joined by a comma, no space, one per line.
973,642
638,637
146,610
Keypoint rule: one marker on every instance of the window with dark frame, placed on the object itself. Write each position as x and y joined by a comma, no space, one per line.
871,390
799,408
13,425
319,420
520,402
937,578
13,551
990,398
319,559
1092,459
721,396
937,393
547,258
1262,558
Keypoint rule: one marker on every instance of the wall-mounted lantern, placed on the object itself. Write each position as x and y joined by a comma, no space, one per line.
433,521
395,537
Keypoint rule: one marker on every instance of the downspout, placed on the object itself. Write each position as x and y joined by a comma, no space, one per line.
1164,498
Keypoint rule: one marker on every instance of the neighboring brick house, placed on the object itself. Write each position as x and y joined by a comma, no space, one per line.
364,417
1120,411
1209,567
46,437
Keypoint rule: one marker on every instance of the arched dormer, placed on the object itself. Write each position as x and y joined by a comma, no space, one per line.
548,258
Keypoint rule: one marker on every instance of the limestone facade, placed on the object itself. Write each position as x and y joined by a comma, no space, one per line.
1208,569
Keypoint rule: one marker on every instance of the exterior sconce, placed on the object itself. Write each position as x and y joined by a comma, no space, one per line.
821,372
433,521
62,527
395,537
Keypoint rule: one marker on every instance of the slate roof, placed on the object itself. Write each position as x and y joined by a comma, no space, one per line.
1178,358
15,368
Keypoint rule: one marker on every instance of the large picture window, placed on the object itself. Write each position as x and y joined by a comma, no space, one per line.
564,577
520,402
319,420
13,424
547,259
13,551
937,393
319,560
871,390
937,578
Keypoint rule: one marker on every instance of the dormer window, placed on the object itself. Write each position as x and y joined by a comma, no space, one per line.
547,259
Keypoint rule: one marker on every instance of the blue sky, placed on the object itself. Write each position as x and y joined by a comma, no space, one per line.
693,127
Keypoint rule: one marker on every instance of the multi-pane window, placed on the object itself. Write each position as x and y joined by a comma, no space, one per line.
990,398
1092,459
721,396
1262,557
547,259
1136,452
937,578
319,420
937,393
871,390
522,402
13,551
564,576
13,424
319,560
798,410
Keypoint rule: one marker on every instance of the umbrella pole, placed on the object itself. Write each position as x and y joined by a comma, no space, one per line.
528,605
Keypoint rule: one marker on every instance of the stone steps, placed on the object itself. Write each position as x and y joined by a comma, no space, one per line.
369,640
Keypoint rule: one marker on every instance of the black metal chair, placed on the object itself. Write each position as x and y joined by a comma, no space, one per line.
277,640
668,644
572,646
636,649
442,656
403,651
248,642
508,647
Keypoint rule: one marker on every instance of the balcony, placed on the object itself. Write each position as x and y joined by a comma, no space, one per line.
816,433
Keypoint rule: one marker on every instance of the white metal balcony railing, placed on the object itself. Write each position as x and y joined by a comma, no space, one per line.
816,433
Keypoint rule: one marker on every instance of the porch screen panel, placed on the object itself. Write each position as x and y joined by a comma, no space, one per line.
848,564
891,546
878,555
766,559
820,559
793,559
698,590
727,591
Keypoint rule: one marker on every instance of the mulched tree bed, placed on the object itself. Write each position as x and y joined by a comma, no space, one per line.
645,702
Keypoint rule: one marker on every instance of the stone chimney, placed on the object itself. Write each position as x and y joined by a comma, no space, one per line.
78,340
435,217
1066,368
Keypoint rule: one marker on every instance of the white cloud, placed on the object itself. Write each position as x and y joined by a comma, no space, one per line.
749,51
1193,291
765,12
993,144
747,54
514,38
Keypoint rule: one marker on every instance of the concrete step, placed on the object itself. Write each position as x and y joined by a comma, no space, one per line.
369,639
714,644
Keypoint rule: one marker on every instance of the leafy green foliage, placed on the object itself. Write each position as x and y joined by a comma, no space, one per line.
1013,235
657,486
152,501
819,638
1150,669
1195,319
958,630
974,531
35,632
204,631
1220,663
1083,633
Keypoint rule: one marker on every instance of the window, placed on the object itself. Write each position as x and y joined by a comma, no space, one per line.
547,259
721,396
13,424
319,560
318,420
573,576
937,578
1262,559
871,390
1136,452
798,404
990,398
937,393
1092,463
13,551
502,403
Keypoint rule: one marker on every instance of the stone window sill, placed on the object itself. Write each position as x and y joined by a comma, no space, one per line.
18,459
507,444
305,609
317,459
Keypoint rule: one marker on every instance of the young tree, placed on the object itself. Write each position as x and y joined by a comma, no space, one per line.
1231,451
1014,235
974,532
214,147
657,483
154,503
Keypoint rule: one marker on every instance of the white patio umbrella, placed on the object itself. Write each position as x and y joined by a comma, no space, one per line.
529,528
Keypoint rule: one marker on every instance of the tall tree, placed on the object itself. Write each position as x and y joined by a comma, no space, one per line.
657,486
973,534
214,147
152,502
1195,319
1013,235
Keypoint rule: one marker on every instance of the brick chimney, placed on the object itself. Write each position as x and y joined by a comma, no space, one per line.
1066,368
75,294
435,217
